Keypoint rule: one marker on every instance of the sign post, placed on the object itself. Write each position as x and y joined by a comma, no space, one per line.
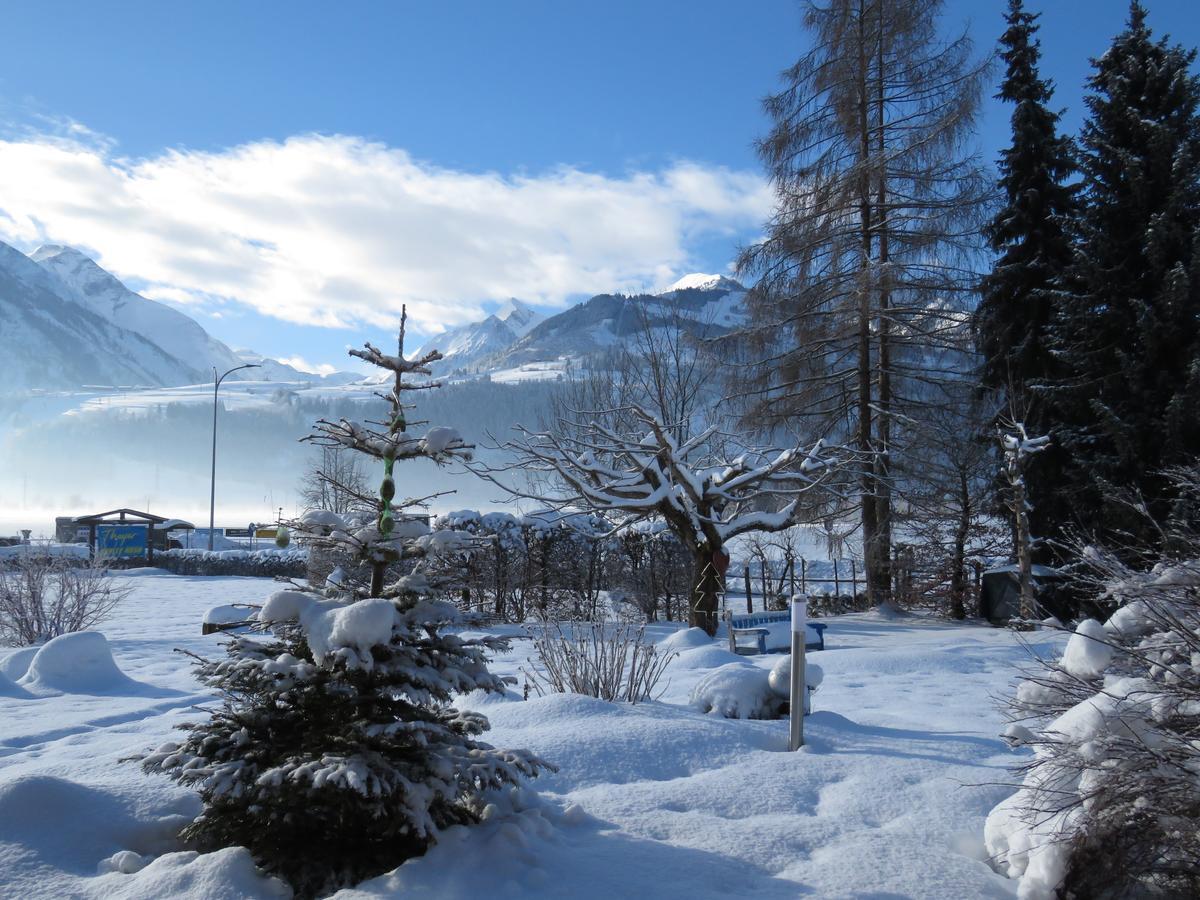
798,686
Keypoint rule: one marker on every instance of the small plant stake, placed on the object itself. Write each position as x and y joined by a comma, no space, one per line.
799,625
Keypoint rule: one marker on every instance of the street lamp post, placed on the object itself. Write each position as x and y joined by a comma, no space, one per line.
212,494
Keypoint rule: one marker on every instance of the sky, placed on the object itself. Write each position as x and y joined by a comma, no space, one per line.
290,173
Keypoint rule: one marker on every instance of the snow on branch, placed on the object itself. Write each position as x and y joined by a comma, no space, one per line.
397,364
645,474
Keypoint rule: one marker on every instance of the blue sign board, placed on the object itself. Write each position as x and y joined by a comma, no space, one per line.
121,541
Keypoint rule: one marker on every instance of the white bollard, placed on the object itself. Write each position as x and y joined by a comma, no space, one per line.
798,686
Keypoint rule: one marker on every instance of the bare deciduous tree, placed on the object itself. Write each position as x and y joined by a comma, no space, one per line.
870,256
644,474
42,596
337,483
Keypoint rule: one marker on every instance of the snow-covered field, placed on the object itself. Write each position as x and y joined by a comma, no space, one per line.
887,799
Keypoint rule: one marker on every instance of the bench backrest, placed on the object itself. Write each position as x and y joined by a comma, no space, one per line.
754,620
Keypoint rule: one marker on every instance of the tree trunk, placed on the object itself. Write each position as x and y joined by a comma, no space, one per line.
866,442
958,572
1024,550
882,462
706,591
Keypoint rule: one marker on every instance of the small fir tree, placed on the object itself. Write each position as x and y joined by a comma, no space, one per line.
335,754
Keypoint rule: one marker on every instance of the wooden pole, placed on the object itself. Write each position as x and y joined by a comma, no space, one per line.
803,577
749,596
837,582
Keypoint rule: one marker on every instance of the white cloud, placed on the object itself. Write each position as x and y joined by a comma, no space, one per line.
303,365
337,230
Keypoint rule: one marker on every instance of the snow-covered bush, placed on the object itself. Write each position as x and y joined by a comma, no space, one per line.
544,564
336,753
738,690
610,661
266,563
741,690
1110,802
43,596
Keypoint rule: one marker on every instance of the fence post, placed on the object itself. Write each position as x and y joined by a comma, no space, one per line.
837,582
803,577
749,596
853,580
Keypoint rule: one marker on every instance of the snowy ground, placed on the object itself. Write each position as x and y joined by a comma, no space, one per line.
887,800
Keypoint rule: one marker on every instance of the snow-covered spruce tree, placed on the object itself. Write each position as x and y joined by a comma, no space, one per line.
335,754
1130,333
1110,801
1032,235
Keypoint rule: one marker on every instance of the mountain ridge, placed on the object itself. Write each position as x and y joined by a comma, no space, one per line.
66,323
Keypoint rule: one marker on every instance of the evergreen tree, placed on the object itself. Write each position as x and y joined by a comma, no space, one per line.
335,754
1032,235
1131,334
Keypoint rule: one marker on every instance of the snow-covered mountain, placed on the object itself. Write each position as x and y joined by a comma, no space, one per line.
698,281
465,345
92,287
65,322
50,340
704,305
275,370
516,343
519,317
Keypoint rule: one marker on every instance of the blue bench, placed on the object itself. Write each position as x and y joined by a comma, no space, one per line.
752,626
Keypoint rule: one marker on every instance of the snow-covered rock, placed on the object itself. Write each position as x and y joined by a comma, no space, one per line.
16,663
686,639
780,678
710,656
76,663
9,688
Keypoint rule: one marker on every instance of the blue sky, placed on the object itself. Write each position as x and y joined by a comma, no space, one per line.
542,149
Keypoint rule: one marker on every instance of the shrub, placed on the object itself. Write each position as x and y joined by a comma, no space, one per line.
1109,804
43,596
610,661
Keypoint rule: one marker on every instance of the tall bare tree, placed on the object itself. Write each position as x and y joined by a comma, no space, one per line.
870,255
337,483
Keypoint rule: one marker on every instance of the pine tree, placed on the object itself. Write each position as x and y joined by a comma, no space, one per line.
335,754
1131,334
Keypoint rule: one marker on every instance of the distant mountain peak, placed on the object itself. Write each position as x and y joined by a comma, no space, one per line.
520,317
698,281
